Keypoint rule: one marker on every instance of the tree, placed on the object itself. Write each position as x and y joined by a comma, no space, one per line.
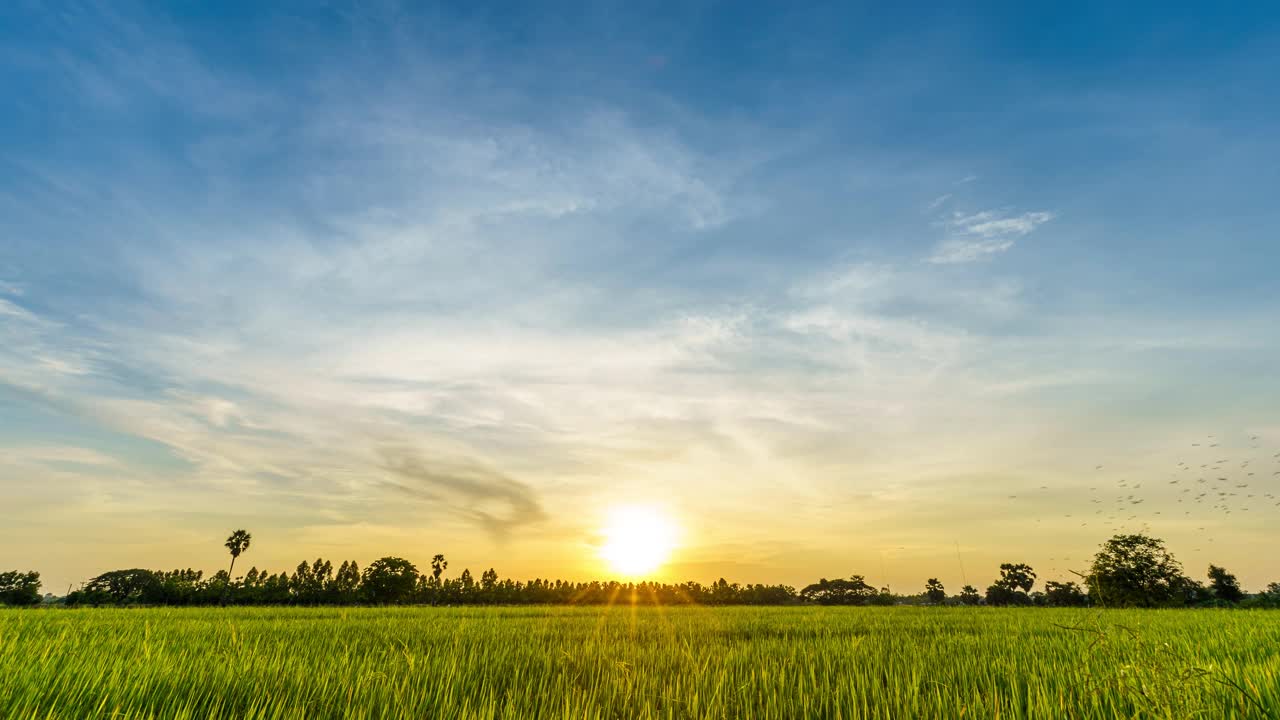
19,588
463,589
121,587
884,598
389,580
934,591
1269,598
1224,585
438,566
176,587
346,583
854,591
1137,571
237,543
310,583
1064,594
1017,577
969,595
1012,587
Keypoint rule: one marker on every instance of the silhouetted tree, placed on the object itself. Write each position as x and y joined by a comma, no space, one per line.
1269,598
19,588
176,587
438,566
346,584
310,583
884,598
1013,586
854,591
969,595
389,581
935,592
236,543
1064,594
121,587
1137,571
1017,577
1224,585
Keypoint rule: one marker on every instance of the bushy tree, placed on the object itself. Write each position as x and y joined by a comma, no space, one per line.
1064,594
176,587
1013,586
884,598
389,581
121,587
969,595
854,591
19,588
1137,571
1224,585
1269,598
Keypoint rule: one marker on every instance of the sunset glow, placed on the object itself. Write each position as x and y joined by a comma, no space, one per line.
638,540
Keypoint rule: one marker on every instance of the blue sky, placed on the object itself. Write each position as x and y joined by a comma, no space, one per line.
830,283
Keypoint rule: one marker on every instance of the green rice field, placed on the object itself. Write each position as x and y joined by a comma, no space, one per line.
623,662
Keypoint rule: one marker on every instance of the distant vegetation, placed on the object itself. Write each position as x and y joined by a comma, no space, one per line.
19,588
1129,571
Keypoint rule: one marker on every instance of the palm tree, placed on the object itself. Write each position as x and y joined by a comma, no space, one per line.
237,543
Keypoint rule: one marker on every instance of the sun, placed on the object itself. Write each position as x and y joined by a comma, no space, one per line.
638,539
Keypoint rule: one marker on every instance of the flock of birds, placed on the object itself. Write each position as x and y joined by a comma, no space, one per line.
1211,486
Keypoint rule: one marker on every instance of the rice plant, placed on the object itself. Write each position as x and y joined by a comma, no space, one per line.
626,662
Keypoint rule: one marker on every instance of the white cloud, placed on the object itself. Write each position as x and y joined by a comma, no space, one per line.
15,311
977,235
55,454
991,223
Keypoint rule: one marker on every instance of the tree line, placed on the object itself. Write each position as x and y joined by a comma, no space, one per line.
1127,571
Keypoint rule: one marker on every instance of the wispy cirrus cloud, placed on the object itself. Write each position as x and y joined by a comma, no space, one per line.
15,311
499,503
57,454
973,236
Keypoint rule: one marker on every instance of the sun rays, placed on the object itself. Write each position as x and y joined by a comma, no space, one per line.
638,540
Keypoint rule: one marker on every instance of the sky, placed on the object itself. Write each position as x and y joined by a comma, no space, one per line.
842,288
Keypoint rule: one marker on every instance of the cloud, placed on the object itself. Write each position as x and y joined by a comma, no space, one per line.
498,502
512,305
33,352
15,311
978,235
991,224
56,454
